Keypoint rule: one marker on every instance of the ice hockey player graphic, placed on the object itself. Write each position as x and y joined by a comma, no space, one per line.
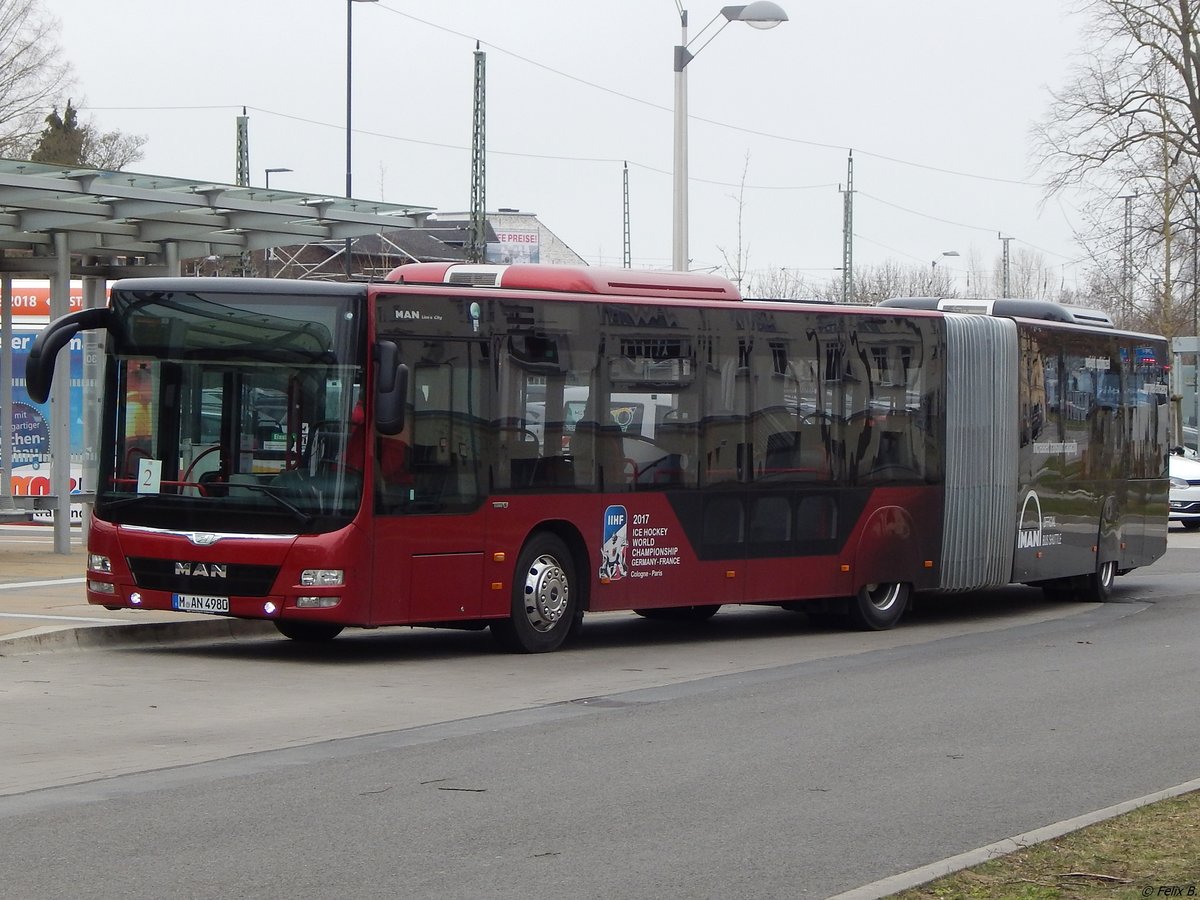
612,550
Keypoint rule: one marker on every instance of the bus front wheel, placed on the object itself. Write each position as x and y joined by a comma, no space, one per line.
307,632
544,602
878,607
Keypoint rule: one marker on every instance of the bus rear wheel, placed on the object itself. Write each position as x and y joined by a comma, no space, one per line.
1097,588
544,602
308,632
878,607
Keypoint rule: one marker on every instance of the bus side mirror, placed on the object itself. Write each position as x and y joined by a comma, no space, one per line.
391,388
39,365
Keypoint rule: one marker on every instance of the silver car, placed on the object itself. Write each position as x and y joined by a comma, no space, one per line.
1185,491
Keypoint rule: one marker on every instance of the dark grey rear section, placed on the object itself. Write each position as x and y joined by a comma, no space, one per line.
981,451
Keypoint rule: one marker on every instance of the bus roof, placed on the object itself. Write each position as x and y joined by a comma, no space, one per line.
1011,307
573,279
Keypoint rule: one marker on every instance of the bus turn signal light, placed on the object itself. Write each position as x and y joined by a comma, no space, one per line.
317,602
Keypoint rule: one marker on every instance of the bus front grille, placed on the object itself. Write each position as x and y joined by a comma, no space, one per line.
186,577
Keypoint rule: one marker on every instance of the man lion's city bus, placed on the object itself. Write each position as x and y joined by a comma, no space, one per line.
516,446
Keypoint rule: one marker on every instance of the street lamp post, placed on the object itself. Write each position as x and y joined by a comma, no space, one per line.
349,107
761,14
933,267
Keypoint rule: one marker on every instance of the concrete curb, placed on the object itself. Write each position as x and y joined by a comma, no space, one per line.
123,634
893,884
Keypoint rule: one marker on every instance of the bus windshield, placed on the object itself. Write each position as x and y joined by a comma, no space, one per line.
233,411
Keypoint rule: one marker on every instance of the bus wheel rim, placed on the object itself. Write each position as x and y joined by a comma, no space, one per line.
883,596
547,592
1108,573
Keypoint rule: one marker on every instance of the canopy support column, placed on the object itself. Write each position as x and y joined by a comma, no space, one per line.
6,392
60,402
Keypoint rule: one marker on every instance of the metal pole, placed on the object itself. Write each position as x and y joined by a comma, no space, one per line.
267,250
679,205
60,401
94,291
1195,229
6,374
349,73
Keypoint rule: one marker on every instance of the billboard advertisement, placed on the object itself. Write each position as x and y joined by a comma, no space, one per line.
30,445
514,247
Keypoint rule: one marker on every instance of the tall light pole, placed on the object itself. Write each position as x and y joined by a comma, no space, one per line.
349,106
761,14
933,267
1195,252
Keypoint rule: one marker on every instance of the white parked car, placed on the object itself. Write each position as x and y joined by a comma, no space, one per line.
1185,491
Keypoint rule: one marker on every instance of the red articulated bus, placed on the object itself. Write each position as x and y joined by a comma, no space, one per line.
516,446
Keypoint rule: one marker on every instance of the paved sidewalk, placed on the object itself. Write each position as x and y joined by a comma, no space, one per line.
43,605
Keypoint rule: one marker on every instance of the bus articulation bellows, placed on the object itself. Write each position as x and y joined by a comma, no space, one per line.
516,446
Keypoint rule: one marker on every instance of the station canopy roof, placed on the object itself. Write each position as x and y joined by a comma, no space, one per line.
119,224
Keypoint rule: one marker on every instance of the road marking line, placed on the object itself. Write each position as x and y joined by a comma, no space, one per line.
52,618
28,584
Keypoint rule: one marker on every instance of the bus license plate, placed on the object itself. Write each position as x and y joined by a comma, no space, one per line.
200,604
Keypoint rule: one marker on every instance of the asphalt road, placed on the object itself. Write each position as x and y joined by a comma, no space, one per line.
757,756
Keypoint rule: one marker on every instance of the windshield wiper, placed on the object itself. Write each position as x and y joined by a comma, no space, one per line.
118,502
305,518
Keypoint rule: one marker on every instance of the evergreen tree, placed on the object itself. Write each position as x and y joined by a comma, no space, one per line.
62,140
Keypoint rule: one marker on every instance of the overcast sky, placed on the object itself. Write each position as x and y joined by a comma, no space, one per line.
935,97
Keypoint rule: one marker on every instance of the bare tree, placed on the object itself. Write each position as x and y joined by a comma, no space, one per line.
1140,85
1029,276
111,150
737,263
778,284
33,76
890,279
1125,125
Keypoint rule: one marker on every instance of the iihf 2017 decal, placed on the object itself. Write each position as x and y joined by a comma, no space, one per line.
612,548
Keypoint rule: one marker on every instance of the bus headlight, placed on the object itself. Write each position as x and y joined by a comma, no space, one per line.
321,577
97,562
101,587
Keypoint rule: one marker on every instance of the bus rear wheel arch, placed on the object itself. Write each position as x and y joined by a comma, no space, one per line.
879,606
545,598
1094,588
